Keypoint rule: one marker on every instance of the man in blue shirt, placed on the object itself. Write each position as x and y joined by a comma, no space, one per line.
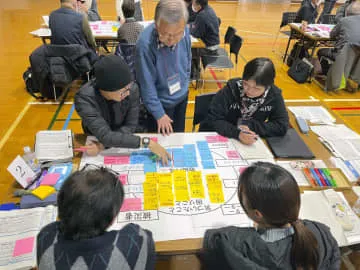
163,66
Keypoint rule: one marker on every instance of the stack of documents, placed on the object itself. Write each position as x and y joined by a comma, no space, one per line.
54,146
314,114
340,140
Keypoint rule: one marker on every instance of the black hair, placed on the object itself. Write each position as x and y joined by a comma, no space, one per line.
202,3
273,191
128,8
261,70
88,202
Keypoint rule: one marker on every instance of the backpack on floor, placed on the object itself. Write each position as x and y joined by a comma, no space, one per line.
302,53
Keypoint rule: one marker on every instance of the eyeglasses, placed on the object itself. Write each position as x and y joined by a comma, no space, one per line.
81,1
173,36
90,167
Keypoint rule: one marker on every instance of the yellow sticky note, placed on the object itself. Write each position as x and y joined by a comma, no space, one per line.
43,191
166,198
114,28
151,202
152,177
181,186
196,185
215,189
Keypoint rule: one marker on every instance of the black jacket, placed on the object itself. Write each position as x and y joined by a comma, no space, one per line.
59,64
243,248
271,119
112,123
306,13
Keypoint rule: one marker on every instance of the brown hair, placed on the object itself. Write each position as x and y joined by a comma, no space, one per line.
273,191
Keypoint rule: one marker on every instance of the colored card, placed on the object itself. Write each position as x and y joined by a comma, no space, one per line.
131,204
123,178
154,139
211,139
50,179
222,139
24,246
232,154
242,169
43,191
118,160
196,185
215,190
149,167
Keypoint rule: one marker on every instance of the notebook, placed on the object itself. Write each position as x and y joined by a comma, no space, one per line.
289,146
54,145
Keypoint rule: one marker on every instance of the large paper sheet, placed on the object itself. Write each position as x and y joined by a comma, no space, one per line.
219,164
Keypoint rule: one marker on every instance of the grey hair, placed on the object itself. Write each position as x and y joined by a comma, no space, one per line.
171,11
353,9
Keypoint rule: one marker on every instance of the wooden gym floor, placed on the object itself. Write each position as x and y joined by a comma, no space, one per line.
21,116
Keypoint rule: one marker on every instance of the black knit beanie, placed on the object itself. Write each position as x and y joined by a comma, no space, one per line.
111,73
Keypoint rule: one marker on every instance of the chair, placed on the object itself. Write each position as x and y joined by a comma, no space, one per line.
202,103
287,17
219,61
328,19
230,32
127,52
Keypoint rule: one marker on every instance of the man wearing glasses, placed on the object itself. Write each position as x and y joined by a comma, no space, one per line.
109,109
163,66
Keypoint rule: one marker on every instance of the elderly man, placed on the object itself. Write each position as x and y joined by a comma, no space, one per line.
346,31
109,109
163,67
90,8
70,27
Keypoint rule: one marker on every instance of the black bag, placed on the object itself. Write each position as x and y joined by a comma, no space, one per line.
46,93
298,48
300,71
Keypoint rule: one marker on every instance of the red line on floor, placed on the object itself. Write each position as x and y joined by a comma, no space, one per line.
345,108
215,78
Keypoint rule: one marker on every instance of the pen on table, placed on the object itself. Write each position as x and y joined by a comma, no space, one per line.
81,149
248,132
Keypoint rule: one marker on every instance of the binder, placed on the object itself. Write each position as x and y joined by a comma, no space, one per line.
289,146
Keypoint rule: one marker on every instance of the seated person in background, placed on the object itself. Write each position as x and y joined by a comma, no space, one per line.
248,107
90,8
128,34
88,204
206,25
109,109
131,29
346,31
192,13
327,8
71,27
270,197
138,11
340,12
307,12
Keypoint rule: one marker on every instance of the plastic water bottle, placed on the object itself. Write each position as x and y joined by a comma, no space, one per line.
30,158
356,207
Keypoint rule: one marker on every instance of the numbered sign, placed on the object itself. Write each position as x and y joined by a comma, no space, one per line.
21,171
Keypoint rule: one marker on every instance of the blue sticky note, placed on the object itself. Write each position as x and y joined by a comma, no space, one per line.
208,164
206,156
149,167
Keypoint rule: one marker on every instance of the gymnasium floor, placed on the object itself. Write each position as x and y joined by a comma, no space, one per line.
21,116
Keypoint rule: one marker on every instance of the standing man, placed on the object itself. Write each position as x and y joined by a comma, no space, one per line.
163,67
308,12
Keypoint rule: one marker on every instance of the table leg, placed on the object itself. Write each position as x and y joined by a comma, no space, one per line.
287,47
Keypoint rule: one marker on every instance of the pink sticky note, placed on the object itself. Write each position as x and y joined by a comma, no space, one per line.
222,139
24,246
123,178
242,169
50,179
131,204
118,160
211,139
155,139
232,154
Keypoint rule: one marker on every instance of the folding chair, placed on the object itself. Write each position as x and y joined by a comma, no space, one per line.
202,103
287,17
328,19
219,61
230,32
